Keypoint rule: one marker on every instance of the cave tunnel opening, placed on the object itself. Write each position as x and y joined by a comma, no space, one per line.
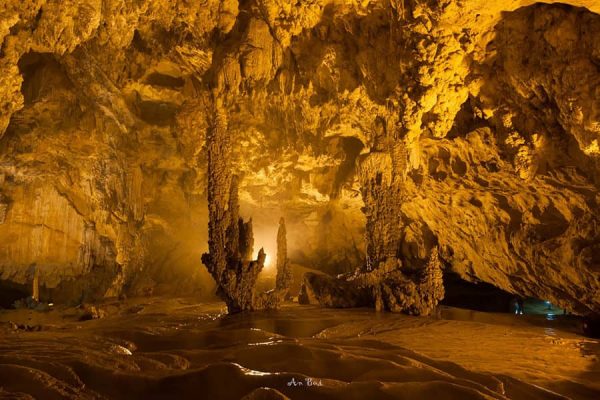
14,295
482,296
41,75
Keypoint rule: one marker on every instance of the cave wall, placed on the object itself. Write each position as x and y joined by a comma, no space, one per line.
493,110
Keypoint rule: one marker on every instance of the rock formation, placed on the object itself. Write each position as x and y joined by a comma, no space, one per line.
386,287
230,238
385,282
231,241
469,128
35,286
284,277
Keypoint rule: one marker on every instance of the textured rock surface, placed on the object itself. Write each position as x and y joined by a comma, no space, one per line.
489,112
231,239
320,289
388,286
284,278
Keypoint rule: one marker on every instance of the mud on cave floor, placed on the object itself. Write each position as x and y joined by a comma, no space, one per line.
157,348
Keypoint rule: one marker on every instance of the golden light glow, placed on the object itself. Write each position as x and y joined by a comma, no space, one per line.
268,261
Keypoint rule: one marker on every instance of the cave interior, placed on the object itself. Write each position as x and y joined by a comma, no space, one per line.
315,199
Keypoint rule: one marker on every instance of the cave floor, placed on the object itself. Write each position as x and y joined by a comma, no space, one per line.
177,348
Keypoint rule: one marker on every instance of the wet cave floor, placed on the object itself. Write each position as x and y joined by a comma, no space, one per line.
177,348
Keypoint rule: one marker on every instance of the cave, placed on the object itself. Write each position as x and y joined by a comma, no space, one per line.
319,199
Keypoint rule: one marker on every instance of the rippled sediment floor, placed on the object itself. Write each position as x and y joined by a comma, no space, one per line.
175,348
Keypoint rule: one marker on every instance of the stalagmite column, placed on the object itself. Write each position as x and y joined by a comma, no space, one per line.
392,286
230,238
380,189
219,181
384,282
35,289
284,271
273,298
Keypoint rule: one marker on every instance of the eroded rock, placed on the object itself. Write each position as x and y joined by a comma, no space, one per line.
231,239
284,277
385,287
327,291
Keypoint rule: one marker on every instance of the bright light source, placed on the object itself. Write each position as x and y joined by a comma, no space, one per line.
267,260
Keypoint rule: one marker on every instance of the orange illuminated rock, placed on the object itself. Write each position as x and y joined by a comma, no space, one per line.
380,130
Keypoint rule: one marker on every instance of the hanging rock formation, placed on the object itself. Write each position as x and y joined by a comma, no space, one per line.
481,117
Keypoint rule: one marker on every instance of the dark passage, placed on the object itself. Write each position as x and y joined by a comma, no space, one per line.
11,292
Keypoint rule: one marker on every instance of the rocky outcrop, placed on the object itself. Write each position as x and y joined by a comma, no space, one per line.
470,127
386,287
327,291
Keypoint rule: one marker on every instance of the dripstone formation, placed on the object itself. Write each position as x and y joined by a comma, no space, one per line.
392,136
231,240
284,277
386,281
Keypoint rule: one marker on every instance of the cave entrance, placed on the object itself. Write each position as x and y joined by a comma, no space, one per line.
482,296
533,306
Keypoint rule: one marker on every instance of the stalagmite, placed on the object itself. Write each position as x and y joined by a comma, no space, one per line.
386,281
284,270
230,237
35,289
231,240
272,299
